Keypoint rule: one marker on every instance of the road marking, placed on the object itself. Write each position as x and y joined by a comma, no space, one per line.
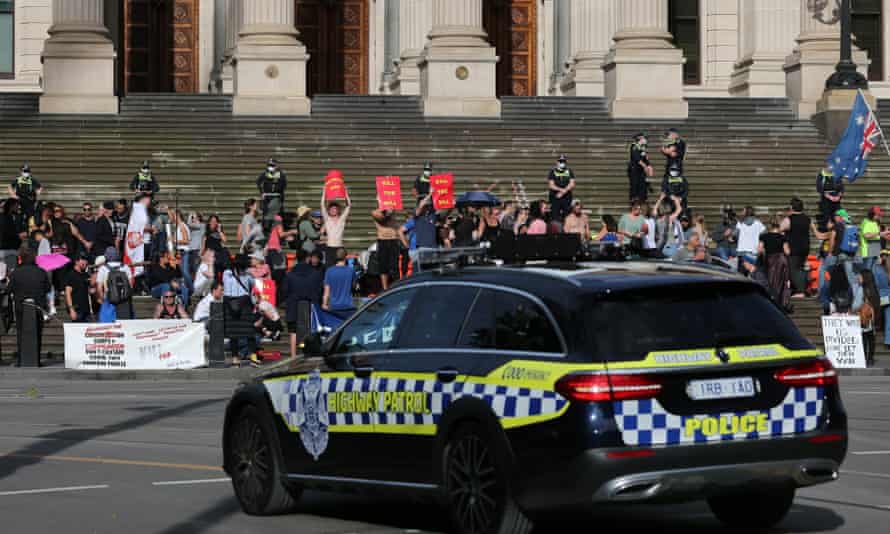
865,474
867,392
112,461
187,482
52,490
870,453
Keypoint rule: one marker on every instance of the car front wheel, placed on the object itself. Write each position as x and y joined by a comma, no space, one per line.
476,489
760,509
256,475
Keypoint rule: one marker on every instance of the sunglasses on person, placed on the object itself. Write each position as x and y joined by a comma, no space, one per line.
87,209
169,296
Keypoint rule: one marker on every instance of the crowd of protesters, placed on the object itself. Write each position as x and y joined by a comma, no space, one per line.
188,261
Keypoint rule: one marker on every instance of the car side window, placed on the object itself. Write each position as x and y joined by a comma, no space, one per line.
376,327
507,321
437,316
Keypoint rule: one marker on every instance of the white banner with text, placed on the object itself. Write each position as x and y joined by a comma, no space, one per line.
141,345
842,335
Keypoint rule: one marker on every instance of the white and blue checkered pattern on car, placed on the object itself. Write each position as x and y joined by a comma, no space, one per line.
647,422
511,404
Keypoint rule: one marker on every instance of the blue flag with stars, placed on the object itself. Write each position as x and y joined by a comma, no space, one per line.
850,159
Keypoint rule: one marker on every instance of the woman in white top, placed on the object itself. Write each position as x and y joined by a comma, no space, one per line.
205,274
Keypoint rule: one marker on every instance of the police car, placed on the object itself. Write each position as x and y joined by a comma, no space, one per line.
512,391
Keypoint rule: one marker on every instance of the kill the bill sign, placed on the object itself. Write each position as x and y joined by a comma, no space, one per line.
140,345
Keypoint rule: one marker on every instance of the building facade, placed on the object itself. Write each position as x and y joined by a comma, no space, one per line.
459,55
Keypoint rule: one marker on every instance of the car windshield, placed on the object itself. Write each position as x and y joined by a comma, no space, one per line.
626,326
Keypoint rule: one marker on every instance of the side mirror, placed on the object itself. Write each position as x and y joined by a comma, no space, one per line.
312,345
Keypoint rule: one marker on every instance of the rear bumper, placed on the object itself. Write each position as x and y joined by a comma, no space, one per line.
680,473
703,481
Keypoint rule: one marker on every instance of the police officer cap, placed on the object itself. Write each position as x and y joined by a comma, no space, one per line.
638,136
562,157
671,131
427,166
146,164
272,162
26,167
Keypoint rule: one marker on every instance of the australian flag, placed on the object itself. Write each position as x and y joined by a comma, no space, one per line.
850,159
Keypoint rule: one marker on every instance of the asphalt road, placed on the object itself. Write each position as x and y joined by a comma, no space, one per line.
143,457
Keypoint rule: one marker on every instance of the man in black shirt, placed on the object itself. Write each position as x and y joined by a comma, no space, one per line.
121,218
105,234
144,181
303,287
831,192
271,184
77,292
797,228
638,168
26,189
86,225
29,282
561,182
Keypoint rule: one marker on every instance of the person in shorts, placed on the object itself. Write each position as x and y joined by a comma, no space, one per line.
388,248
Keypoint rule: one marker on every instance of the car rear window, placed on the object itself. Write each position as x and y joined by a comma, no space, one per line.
627,326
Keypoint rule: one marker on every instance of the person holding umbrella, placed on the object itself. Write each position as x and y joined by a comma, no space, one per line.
561,183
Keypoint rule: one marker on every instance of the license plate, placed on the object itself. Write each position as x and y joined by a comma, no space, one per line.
721,388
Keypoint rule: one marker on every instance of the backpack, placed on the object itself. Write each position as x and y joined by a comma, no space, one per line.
119,289
850,240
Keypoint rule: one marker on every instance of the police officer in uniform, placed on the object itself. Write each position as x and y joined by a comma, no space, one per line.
674,150
676,186
638,168
831,192
561,182
422,182
26,189
144,181
272,184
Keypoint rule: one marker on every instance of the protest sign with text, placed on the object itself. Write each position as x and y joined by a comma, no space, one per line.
442,188
389,192
842,335
126,345
334,186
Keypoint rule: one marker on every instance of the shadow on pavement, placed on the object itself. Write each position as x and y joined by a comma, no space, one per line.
56,442
206,519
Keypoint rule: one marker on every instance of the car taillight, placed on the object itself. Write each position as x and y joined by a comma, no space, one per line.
601,387
816,373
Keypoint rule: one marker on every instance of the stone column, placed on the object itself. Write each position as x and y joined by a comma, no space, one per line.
765,38
270,63
458,68
226,83
593,24
78,60
643,70
415,22
814,58
721,44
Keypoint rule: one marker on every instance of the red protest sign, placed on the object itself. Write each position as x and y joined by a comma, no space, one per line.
442,188
389,192
334,186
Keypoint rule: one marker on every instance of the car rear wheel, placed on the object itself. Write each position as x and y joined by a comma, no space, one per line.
760,509
256,473
476,488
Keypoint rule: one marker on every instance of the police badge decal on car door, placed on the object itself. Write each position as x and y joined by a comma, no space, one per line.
303,402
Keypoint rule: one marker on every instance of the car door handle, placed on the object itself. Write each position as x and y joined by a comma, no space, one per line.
447,375
363,372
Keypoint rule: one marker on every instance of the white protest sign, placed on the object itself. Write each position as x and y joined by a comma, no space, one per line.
141,345
843,341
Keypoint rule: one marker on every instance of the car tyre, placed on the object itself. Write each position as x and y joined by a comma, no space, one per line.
256,469
760,509
475,482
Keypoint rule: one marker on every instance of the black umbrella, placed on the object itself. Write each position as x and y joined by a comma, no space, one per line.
477,198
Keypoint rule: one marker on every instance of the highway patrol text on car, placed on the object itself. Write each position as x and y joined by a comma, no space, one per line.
507,392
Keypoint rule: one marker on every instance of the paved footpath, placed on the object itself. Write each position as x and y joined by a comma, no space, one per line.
143,457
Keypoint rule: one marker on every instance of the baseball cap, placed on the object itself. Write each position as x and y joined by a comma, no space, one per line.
876,210
842,213
562,157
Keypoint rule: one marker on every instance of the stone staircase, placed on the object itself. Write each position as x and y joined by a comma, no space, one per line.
741,151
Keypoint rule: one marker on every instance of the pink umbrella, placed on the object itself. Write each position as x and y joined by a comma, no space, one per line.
51,262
